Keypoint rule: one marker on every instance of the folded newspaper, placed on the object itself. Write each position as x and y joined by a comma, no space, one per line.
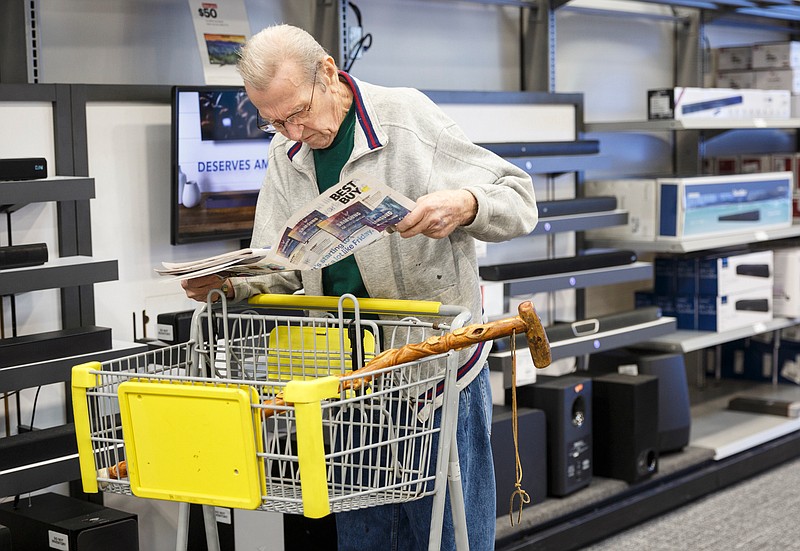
344,218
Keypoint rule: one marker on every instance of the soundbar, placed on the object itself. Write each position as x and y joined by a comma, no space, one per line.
580,205
53,344
20,256
536,268
543,149
32,168
591,326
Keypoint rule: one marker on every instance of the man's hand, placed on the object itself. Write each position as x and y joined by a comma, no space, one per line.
198,288
439,213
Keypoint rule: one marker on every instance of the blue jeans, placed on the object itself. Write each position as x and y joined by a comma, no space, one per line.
406,526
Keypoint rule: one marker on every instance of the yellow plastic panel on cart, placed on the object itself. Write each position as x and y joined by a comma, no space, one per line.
192,443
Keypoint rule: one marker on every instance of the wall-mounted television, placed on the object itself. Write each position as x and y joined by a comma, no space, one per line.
219,157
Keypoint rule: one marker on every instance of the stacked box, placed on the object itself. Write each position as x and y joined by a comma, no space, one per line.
775,55
734,58
714,293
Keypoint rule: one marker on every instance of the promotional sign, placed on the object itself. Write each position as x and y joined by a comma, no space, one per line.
221,28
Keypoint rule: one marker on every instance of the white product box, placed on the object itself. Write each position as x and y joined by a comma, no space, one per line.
734,58
727,312
726,275
788,162
778,79
718,103
786,288
736,80
675,209
776,55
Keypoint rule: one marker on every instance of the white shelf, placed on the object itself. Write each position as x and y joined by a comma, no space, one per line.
691,124
636,271
689,341
700,244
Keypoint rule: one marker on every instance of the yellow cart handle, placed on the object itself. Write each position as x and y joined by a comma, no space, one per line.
82,379
365,305
307,397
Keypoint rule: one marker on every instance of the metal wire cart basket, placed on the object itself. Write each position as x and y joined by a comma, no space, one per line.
271,412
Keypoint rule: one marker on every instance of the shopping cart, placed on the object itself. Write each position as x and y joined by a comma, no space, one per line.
263,411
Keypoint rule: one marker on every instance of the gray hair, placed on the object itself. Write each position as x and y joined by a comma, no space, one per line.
264,54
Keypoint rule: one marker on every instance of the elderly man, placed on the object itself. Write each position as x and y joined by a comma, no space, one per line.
328,125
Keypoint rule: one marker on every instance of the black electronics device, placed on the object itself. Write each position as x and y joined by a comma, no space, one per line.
542,149
174,327
53,344
579,205
674,410
32,168
532,431
625,424
21,256
567,404
5,538
765,404
536,268
51,521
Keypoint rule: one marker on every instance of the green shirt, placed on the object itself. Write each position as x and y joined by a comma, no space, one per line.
343,276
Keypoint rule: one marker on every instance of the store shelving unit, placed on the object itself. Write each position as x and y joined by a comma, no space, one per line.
43,457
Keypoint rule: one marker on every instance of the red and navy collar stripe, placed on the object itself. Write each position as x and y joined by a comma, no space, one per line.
294,149
361,111
363,118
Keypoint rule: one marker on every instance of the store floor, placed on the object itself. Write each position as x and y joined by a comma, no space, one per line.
758,513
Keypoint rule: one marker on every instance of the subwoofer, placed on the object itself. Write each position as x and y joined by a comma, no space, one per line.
567,404
52,521
674,415
625,415
532,438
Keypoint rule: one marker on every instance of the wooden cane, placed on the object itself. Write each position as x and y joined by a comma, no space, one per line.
527,322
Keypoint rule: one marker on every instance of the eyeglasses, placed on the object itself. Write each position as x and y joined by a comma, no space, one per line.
295,118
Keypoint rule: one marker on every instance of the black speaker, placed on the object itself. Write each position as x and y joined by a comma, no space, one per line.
51,521
20,256
674,410
567,404
625,415
532,433
31,168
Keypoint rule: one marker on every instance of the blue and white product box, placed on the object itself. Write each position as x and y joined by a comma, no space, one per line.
643,299
665,275
727,312
686,312
677,209
688,275
718,103
786,287
724,275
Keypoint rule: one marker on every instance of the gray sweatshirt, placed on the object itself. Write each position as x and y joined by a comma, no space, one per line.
404,140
